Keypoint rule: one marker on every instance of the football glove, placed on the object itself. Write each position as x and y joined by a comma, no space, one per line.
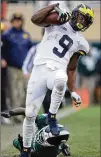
76,98
65,149
6,115
63,15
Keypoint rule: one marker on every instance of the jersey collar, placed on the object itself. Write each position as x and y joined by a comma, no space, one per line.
72,28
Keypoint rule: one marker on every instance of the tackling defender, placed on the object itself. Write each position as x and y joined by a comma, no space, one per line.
55,65
43,144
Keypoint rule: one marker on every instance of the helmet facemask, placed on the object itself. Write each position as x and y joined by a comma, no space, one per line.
80,21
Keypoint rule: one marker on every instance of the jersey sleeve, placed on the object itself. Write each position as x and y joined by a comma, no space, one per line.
83,47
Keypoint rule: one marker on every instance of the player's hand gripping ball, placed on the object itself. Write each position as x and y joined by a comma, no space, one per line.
63,15
57,16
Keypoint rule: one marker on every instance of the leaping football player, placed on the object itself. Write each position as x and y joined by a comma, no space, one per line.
55,64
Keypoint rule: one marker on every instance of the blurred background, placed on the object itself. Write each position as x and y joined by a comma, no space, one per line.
20,38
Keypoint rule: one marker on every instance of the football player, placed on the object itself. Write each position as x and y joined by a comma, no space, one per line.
55,64
43,144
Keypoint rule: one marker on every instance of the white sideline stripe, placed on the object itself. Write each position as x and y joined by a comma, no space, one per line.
65,113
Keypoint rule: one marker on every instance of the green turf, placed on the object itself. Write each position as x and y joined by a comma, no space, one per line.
84,128
10,152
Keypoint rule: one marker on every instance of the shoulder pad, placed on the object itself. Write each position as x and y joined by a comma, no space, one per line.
83,47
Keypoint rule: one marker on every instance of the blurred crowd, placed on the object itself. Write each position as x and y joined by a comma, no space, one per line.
16,43
17,53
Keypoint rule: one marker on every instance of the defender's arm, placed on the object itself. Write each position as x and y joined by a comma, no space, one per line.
14,112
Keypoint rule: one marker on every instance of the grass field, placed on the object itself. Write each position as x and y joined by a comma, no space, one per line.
84,128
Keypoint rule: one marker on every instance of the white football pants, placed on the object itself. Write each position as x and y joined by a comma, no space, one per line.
42,77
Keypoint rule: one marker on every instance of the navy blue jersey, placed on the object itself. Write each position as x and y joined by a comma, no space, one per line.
16,44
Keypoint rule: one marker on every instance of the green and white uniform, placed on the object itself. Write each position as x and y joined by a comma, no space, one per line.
43,137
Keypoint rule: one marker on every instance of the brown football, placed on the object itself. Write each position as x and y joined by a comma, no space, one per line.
52,18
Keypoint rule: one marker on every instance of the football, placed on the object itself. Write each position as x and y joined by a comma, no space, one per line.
52,18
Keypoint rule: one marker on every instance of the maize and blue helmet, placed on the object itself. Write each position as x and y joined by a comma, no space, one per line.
82,17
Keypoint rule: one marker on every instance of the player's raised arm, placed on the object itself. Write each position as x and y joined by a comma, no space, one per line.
46,16
39,16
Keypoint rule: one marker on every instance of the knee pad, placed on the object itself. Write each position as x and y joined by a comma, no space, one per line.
30,112
60,80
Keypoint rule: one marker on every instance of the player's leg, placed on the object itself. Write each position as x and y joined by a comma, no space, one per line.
58,92
35,94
